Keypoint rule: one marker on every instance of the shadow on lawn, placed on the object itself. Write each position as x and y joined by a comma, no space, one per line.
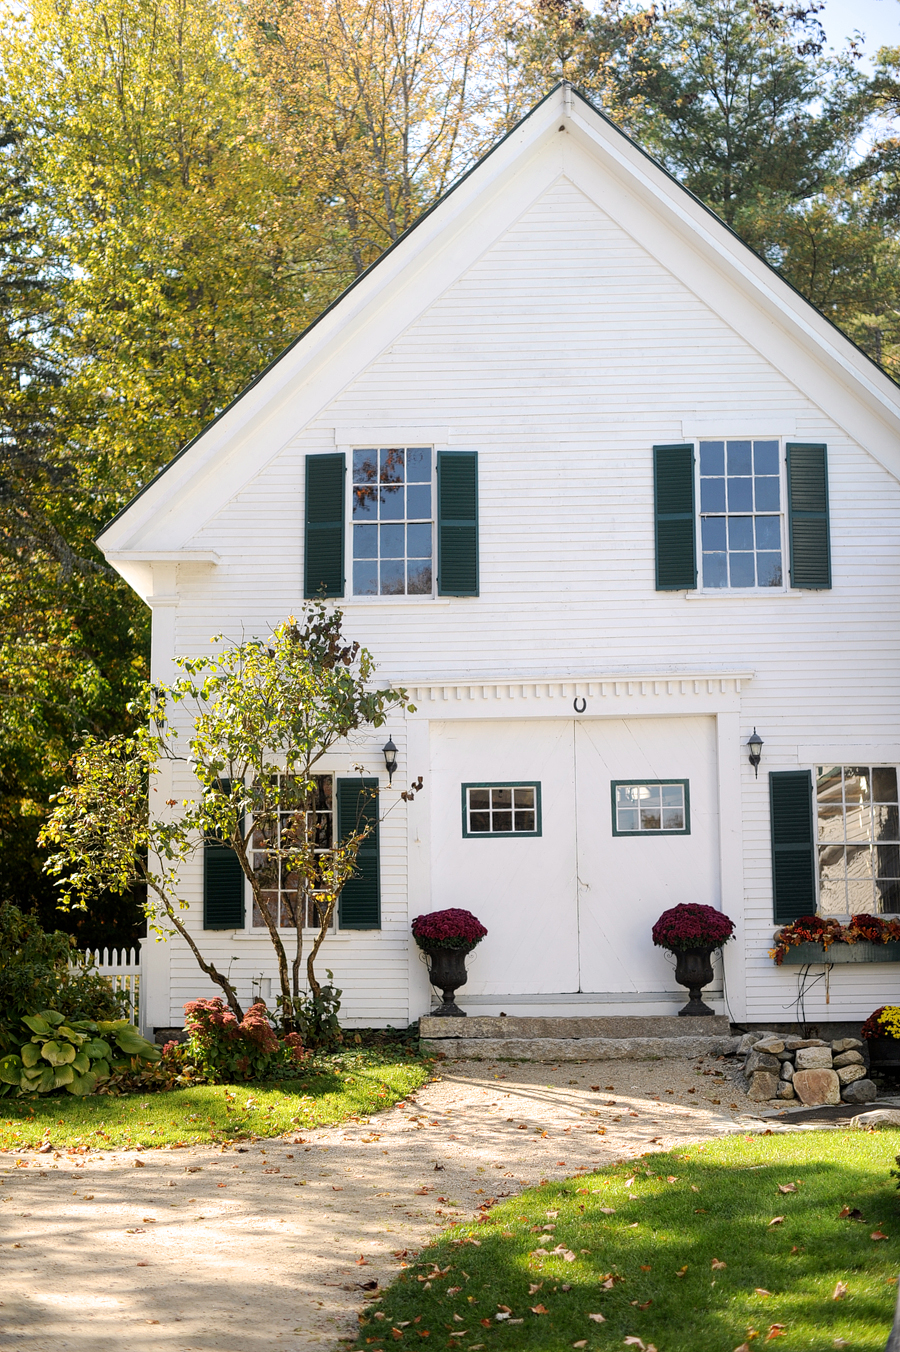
658,1249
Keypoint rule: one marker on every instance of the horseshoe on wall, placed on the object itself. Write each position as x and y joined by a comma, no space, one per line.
582,702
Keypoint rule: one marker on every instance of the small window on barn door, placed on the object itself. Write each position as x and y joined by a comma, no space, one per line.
272,838
651,807
858,839
501,810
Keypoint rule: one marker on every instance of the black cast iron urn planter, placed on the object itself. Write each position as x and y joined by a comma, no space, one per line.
693,968
447,971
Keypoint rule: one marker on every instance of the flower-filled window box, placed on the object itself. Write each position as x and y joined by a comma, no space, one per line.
811,939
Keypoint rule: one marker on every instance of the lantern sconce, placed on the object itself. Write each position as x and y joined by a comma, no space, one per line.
390,759
755,746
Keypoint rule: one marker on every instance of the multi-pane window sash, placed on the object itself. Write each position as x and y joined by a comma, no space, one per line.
858,832
650,808
272,839
501,810
393,521
740,514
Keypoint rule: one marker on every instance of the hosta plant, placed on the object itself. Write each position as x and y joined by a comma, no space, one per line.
76,1056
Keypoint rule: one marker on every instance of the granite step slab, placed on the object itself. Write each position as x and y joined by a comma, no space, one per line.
580,1048
480,1027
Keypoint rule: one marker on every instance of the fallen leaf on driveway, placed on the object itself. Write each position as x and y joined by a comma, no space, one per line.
787,1187
839,1291
717,1265
776,1220
362,1262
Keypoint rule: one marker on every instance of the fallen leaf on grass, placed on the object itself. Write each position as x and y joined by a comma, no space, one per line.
539,1253
607,1210
641,1306
847,1213
776,1220
717,1265
787,1187
776,1331
839,1291
840,1342
761,1291
539,1309
876,1234
598,1318
582,1342
682,1271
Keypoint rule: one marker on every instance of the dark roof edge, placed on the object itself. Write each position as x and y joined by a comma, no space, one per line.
434,206
457,183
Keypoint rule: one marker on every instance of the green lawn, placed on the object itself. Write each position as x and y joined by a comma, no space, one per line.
686,1259
333,1088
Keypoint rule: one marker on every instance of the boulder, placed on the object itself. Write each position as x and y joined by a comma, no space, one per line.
817,1087
761,1061
861,1091
787,1070
848,1059
764,1086
846,1044
813,1058
877,1118
747,1043
848,1074
785,1090
793,1043
773,1045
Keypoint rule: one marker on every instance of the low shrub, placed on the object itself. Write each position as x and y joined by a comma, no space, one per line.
219,1050
77,1056
43,970
316,1016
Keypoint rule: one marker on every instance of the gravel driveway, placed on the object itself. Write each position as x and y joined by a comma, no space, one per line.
271,1245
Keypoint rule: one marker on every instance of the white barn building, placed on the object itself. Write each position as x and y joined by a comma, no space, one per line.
633,498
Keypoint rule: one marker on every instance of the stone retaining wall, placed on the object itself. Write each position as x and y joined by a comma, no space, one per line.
816,1072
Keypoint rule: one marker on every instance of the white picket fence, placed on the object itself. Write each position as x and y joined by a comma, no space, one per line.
122,969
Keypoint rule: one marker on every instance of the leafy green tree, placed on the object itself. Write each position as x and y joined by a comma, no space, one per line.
262,715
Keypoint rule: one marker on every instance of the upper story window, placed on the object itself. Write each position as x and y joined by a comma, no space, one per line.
393,521
740,514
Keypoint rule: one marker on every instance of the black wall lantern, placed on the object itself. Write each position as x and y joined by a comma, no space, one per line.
390,758
755,746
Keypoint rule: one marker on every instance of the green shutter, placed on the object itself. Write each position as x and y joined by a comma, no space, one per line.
673,486
223,882
457,517
807,470
323,559
360,901
793,844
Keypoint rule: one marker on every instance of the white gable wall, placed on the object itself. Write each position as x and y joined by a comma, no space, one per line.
562,354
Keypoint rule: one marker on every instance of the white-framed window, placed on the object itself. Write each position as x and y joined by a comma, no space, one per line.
392,521
858,839
280,885
741,508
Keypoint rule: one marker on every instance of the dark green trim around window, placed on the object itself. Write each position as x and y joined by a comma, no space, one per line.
614,784
323,546
223,883
793,844
359,905
675,525
502,784
810,537
457,523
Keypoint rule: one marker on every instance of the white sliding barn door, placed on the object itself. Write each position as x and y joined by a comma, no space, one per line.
522,889
625,882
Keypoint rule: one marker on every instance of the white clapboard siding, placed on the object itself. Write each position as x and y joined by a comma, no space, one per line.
122,969
562,355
